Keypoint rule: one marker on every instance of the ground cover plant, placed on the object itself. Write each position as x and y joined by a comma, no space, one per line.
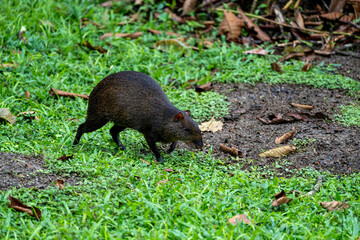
116,194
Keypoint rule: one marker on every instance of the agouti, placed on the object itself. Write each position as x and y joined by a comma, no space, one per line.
134,100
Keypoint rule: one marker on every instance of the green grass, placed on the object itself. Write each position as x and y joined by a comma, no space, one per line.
117,196
350,115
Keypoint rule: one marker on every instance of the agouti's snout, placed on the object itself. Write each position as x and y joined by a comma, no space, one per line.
134,100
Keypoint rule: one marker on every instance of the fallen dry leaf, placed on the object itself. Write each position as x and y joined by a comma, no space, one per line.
27,94
65,158
240,218
144,161
279,151
204,88
108,3
232,151
6,115
9,65
171,43
188,6
169,170
19,206
299,19
175,17
134,35
30,115
60,93
253,28
88,45
280,198
257,51
276,67
162,182
306,67
285,137
231,26
60,183
334,205
302,106
211,126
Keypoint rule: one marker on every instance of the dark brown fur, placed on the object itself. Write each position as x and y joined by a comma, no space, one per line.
134,100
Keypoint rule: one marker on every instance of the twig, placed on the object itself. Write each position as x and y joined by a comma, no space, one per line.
316,187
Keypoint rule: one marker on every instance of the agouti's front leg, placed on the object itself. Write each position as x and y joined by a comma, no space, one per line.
154,149
172,147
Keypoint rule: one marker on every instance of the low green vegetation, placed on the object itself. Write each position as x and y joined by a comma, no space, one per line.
350,115
118,196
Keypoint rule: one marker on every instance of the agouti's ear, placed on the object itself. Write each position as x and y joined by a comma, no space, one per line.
188,113
178,116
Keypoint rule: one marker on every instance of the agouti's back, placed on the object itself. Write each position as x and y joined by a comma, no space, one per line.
135,100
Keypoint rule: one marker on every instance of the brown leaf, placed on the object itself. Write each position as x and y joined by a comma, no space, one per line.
276,67
279,151
30,115
251,27
176,44
204,88
257,51
134,35
211,126
89,46
27,94
188,6
175,17
60,93
161,182
334,205
9,65
169,170
286,136
299,19
302,106
337,16
231,26
240,218
144,161
306,67
6,115
65,158
232,151
108,3
154,31
280,198
19,206
60,183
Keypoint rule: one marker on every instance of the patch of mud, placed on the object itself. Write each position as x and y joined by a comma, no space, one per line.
17,170
335,149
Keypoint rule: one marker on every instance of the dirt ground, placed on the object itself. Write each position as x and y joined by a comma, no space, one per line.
330,146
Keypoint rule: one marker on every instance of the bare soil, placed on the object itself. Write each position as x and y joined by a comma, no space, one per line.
329,146
17,170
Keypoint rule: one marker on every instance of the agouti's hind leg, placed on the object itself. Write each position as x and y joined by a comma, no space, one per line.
88,126
114,131
172,147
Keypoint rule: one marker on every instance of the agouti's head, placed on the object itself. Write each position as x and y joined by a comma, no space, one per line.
184,128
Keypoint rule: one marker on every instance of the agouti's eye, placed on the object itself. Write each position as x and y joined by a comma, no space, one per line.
186,129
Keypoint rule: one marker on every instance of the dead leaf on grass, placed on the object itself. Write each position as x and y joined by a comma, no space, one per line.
9,65
251,27
334,206
60,183
65,158
171,43
162,182
240,218
302,106
169,170
232,151
211,126
19,206
56,92
276,67
88,45
204,88
6,115
280,198
145,161
257,51
231,26
279,151
27,94
188,6
286,136
30,115
134,35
